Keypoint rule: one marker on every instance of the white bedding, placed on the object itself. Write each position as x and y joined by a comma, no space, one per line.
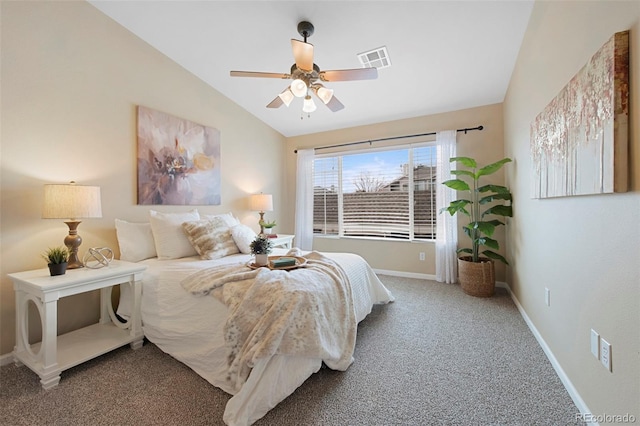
190,328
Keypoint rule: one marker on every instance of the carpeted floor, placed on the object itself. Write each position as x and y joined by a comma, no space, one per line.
436,356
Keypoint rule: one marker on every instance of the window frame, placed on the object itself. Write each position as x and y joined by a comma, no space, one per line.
410,183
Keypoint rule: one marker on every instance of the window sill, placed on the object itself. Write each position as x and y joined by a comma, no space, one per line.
391,240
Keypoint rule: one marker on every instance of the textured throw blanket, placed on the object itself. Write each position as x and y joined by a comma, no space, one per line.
302,312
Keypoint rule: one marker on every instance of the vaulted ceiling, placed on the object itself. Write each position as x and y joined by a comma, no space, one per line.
445,55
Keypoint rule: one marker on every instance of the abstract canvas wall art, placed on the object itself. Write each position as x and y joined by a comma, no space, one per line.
579,142
178,160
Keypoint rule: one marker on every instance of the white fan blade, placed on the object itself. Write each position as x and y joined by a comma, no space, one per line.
260,74
334,104
276,103
303,54
349,75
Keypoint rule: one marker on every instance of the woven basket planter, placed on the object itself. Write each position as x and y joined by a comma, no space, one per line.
477,278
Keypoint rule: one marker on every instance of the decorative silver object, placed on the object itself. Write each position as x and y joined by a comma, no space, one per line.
97,257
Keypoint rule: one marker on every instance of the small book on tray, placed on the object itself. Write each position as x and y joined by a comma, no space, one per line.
283,262
272,235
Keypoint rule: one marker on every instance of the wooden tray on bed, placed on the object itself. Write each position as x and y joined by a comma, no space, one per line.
300,261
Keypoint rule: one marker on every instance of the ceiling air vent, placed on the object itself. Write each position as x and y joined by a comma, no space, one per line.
378,58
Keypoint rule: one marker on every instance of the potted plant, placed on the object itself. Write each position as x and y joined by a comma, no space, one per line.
260,248
476,270
268,226
57,258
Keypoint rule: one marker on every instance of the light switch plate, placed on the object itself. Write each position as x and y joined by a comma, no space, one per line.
605,354
595,343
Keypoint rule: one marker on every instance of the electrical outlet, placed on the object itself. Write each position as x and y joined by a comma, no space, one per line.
547,296
421,255
605,354
595,343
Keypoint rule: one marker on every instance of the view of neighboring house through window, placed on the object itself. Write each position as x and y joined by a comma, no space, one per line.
383,193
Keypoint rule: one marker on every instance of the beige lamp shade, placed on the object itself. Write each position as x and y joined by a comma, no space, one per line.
71,201
261,202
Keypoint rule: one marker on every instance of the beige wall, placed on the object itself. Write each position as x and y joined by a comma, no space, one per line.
585,249
486,146
71,80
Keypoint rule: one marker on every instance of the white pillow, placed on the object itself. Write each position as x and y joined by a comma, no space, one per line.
135,241
243,236
211,238
171,241
228,218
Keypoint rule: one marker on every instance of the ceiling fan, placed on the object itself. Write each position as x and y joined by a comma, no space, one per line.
306,76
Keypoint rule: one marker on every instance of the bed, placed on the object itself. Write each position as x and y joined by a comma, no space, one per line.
191,327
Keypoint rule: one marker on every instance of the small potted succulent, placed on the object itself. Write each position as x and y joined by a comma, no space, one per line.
260,248
57,258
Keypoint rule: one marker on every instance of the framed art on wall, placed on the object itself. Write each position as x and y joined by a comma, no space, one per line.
178,161
579,142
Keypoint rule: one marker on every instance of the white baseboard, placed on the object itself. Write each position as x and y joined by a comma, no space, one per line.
420,276
573,393
6,359
405,274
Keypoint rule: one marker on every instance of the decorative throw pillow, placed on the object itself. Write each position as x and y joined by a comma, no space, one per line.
211,238
243,236
229,219
170,240
135,241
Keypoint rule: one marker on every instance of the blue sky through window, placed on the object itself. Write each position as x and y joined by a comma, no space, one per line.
385,164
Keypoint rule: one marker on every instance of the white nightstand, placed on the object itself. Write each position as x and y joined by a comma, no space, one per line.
283,240
58,353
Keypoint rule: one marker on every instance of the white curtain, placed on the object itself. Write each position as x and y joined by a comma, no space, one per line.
304,199
447,225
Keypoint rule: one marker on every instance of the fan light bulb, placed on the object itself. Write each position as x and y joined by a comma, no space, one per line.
299,88
325,94
286,97
309,105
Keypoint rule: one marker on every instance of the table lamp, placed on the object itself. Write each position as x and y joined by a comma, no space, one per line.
72,202
261,203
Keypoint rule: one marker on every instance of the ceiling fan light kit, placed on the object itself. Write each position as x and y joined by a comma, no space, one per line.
286,96
308,105
299,88
305,75
323,93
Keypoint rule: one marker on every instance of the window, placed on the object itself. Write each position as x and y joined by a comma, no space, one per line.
374,194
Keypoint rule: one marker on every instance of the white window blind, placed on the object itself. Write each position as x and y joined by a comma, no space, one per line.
386,193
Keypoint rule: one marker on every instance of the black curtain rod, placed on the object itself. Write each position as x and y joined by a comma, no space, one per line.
392,138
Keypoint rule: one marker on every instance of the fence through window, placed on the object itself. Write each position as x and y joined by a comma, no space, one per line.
383,193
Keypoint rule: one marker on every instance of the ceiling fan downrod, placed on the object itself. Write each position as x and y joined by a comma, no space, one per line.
305,29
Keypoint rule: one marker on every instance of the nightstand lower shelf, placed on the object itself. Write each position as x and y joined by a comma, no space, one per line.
78,346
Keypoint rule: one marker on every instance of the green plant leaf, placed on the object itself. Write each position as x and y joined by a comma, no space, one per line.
486,228
453,209
494,197
464,173
493,255
492,168
458,205
500,210
469,162
464,250
494,188
457,184
495,222
489,242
